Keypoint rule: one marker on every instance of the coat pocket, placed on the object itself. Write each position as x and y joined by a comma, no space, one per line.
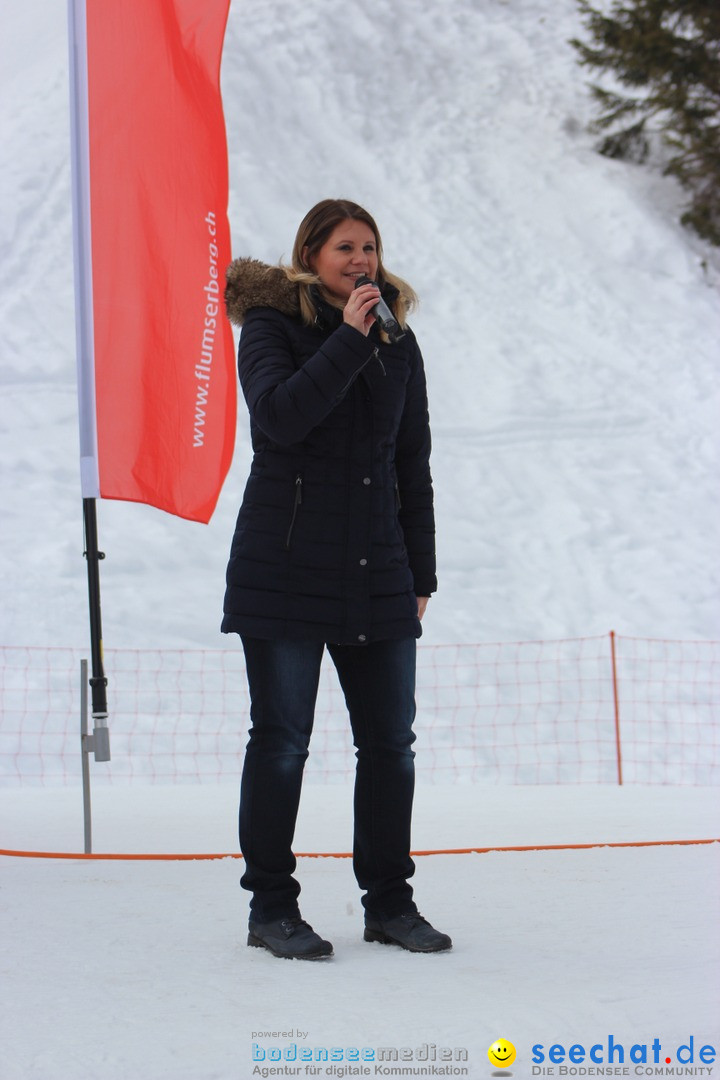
296,504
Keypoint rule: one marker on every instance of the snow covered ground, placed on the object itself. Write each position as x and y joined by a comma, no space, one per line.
118,970
570,331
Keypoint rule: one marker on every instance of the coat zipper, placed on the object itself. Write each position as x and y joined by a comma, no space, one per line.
298,500
375,355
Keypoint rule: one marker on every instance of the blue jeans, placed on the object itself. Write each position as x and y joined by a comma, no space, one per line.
378,681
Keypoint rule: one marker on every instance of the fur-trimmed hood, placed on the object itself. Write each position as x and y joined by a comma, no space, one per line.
251,283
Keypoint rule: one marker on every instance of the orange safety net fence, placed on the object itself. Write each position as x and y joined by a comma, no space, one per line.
584,710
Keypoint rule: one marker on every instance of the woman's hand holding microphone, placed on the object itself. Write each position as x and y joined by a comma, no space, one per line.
359,310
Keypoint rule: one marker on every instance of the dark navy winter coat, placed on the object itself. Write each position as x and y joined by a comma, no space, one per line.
335,538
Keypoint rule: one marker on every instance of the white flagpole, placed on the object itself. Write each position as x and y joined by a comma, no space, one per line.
89,473
80,152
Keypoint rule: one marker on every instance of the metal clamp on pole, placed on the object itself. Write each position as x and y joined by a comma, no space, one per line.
98,744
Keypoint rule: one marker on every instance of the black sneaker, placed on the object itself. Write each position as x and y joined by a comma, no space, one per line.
410,932
292,938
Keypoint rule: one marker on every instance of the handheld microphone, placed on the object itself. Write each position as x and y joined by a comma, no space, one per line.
383,315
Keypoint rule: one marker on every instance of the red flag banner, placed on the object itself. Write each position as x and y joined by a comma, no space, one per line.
156,356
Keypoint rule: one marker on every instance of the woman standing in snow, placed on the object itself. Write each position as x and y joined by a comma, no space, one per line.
333,548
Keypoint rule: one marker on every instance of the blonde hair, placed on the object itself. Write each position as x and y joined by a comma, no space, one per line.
313,232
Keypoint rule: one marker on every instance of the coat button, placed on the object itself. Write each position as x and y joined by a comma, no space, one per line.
367,480
361,637
363,562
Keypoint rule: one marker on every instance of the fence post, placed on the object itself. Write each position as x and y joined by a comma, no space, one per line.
98,743
617,706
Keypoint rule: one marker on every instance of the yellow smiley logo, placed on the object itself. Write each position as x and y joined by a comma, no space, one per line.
502,1053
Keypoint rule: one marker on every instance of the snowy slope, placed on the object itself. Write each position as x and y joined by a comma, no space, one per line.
569,327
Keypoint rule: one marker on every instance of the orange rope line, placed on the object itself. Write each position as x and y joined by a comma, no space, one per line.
348,854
